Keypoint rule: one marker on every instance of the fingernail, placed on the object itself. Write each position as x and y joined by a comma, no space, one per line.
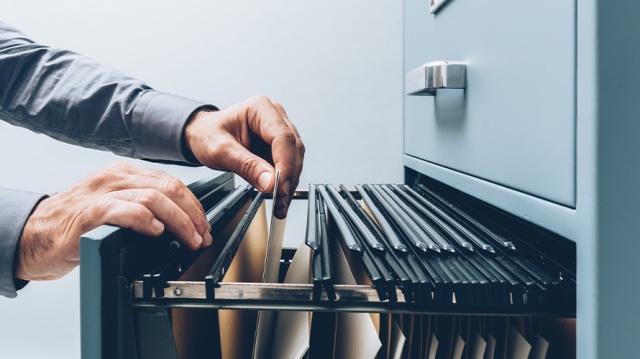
285,187
208,239
157,225
197,238
264,180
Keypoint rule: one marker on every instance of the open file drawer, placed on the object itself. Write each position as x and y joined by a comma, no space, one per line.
121,319
587,40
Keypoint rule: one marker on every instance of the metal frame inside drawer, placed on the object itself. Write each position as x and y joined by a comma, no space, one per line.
299,297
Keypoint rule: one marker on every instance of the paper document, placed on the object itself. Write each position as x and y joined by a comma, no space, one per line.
265,322
397,341
292,329
540,348
356,335
477,346
433,347
491,347
517,347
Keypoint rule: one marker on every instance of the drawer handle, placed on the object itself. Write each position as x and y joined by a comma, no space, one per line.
427,78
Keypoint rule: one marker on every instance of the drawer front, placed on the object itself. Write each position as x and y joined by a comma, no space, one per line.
514,125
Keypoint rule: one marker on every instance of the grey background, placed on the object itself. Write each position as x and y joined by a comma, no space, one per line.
336,66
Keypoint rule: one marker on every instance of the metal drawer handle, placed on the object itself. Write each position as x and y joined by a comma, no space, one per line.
427,78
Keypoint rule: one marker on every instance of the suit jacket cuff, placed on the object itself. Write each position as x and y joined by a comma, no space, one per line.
158,123
15,209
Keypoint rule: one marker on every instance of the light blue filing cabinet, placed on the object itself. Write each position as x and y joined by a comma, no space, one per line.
544,125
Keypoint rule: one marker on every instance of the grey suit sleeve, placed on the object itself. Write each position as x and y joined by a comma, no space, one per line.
15,208
74,99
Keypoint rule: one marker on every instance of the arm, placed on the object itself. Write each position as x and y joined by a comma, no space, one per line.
74,99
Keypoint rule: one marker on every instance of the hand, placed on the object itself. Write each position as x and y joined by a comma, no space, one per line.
247,138
144,200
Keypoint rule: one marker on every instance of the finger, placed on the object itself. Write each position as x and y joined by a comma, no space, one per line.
118,212
168,181
289,185
134,177
300,149
170,213
233,156
266,121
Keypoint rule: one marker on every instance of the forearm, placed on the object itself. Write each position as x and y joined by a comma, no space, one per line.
74,99
15,208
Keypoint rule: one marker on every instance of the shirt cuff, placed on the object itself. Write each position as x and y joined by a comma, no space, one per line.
15,209
157,126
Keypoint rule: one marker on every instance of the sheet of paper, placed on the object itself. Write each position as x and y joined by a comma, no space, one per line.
263,338
291,334
359,274
517,346
196,331
397,341
385,335
356,336
477,346
433,347
465,332
540,348
239,325
458,347
490,352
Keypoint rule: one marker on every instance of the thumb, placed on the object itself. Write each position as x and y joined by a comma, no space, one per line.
255,170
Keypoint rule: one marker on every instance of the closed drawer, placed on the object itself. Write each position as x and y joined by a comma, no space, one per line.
514,125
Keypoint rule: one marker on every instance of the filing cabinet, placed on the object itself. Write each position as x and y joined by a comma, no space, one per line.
515,123
545,128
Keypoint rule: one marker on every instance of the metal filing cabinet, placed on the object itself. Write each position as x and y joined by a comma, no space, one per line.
544,126
520,96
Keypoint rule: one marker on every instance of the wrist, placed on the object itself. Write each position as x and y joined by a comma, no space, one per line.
35,242
190,133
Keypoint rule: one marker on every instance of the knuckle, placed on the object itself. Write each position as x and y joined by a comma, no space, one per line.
149,196
247,166
289,138
104,177
96,176
143,214
200,222
171,216
156,172
261,98
182,221
99,208
171,186
140,212
300,147
277,105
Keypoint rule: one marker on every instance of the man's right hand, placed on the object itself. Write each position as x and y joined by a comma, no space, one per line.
147,201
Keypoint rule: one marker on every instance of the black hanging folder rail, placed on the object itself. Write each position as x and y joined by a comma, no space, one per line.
424,248
222,263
